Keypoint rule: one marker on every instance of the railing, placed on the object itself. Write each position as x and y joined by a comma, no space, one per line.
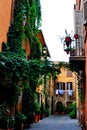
66,97
77,47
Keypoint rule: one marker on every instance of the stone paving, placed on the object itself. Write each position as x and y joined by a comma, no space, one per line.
56,123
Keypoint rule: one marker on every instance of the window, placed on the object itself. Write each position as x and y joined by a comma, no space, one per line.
69,85
85,9
69,73
61,85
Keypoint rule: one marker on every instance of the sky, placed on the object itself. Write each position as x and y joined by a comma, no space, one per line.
57,15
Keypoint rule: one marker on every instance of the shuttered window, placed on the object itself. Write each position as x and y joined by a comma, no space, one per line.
85,9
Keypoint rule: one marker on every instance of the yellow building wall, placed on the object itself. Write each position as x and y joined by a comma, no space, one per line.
62,77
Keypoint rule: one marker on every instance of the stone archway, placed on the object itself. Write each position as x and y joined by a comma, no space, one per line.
58,105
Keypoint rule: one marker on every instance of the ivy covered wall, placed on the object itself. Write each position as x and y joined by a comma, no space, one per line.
26,21
13,65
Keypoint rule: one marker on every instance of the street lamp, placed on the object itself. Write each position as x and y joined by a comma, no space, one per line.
44,51
44,54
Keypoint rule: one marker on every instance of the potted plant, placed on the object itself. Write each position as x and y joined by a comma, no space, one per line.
20,120
37,115
10,122
63,110
43,110
3,116
67,39
67,50
72,110
21,117
37,111
59,107
47,112
76,36
56,112
3,120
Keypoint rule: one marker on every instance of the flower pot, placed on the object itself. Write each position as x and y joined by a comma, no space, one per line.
56,113
9,128
36,118
76,36
63,113
67,51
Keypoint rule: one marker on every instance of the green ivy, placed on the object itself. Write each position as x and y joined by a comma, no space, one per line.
37,69
13,75
28,101
13,65
17,32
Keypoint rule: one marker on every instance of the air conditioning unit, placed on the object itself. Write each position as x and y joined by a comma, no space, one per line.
85,10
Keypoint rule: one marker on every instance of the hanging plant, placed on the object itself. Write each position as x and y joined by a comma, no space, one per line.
76,36
67,39
67,50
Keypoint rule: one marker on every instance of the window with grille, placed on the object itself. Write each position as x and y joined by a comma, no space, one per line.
69,85
60,85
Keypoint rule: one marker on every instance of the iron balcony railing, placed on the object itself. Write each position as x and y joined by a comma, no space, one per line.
77,47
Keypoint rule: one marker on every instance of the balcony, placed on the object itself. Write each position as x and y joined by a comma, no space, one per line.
77,54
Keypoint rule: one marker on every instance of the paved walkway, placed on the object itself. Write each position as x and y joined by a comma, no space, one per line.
56,123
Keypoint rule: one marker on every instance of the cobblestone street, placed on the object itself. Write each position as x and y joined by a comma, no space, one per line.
56,123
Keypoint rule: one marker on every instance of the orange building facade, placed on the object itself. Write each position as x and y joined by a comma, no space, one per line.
6,13
80,10
5,18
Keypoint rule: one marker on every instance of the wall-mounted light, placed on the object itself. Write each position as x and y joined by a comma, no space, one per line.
44,50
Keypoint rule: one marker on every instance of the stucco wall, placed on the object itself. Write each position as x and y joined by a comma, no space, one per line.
86,81
62,77
5,14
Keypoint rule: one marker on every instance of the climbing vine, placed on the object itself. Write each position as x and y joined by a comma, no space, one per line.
13,65
26,21
33,22
13,75
38,69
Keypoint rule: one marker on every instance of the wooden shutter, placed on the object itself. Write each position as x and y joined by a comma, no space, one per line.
85,9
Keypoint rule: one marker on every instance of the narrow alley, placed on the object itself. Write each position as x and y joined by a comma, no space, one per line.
56,123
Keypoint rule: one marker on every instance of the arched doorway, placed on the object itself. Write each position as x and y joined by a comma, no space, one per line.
59,106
